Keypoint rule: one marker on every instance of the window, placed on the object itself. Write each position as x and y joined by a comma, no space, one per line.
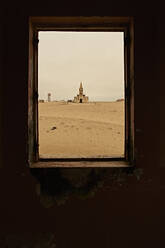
89,26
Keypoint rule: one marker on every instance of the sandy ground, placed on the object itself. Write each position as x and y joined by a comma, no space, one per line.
81,129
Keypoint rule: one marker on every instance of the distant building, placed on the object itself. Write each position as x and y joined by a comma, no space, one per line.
120,100
81,98
41,100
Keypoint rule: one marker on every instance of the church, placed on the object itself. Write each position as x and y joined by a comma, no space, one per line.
81,98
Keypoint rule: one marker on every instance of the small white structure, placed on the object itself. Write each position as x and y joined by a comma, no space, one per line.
49,97
81,98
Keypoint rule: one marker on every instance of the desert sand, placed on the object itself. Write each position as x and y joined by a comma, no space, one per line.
81,130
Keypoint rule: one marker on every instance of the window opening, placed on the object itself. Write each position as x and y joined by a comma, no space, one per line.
94,128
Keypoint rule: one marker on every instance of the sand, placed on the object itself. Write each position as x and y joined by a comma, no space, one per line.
81,130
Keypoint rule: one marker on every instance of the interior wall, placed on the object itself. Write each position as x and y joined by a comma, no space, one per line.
129,215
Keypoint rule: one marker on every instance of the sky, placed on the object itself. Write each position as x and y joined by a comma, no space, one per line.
94,58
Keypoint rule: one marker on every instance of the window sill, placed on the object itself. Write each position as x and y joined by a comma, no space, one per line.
80,164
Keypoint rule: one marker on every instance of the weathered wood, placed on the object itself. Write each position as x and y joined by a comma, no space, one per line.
81,164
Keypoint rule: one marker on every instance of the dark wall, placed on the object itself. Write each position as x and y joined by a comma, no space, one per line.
131,215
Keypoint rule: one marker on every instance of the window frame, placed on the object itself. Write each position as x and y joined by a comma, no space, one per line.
113,24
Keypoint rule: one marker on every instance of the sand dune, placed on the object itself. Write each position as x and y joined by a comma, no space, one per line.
81,130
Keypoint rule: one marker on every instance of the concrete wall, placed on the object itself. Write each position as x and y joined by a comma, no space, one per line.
131,215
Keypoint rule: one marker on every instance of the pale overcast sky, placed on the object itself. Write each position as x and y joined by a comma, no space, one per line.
67,58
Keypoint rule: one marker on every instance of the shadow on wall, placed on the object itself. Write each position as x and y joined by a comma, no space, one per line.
28,240
56,185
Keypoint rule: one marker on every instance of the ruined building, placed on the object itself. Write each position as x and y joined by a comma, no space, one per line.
80,98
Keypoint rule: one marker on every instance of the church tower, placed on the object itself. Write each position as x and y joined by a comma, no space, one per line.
81,90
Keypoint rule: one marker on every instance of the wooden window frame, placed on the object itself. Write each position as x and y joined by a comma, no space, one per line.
113,24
